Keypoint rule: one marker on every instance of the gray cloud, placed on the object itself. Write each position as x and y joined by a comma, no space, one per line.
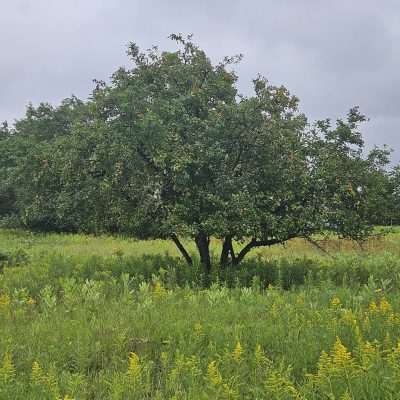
332,55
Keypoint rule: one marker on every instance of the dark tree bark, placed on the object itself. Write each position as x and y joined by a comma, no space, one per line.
203,246
246,249
258,243
182,249
227,252
228,256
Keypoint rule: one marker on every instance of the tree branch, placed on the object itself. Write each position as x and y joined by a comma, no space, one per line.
318,246
258,243
182,249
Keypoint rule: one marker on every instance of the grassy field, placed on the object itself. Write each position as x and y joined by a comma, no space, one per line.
83,245
111,318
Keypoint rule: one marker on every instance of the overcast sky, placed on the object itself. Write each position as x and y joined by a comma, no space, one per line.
331,54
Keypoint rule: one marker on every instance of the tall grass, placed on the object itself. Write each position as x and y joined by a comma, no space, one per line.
112,323
108,340
85,245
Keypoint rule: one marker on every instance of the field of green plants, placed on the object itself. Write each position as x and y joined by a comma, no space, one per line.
86,317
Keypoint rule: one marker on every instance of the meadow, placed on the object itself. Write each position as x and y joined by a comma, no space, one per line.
84,317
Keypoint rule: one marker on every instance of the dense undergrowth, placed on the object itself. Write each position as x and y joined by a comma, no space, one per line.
19,272
147,327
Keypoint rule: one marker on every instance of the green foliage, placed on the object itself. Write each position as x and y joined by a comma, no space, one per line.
24,152
393,203
170,149
45,122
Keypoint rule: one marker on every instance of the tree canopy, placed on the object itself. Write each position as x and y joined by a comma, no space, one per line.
170,149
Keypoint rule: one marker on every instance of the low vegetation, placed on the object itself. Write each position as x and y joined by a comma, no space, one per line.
105,318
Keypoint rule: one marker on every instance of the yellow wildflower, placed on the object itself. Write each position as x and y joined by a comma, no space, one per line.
368,349
396,351
368,353
51,380
346,396
7,370
213,373
384,306
134,367
237,352
158,289
36,373
349,317
335,302
4,300
31,301
198,329
259,355
340,355
373,307
393,319
393,357
324,364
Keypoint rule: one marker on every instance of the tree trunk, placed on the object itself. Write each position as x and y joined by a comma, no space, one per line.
227,250
224,252
203,246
